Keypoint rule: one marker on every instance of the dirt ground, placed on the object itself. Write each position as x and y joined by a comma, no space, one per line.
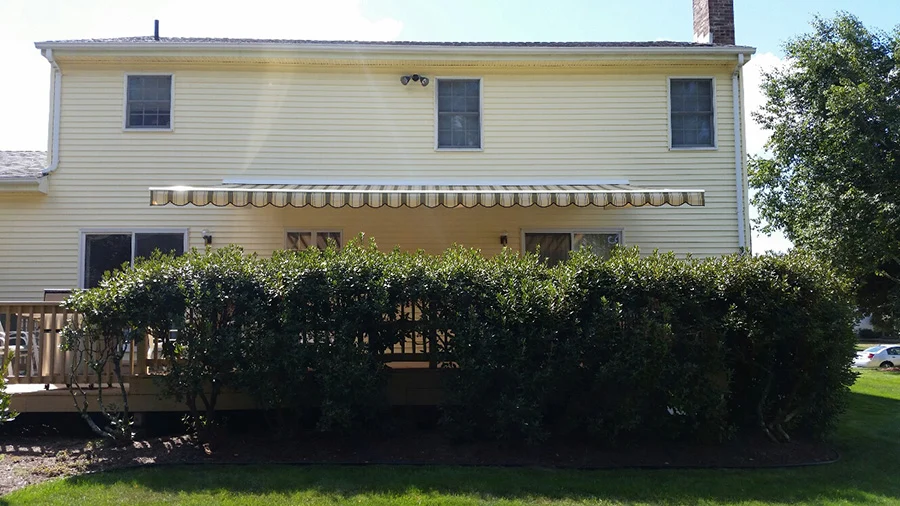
32,459
25,461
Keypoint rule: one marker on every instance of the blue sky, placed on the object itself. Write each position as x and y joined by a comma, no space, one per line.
764,24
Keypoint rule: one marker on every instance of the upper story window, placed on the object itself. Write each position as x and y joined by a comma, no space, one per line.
692,113
149,102
459,114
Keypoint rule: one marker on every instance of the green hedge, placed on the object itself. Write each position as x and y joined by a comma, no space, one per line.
629,347
6,412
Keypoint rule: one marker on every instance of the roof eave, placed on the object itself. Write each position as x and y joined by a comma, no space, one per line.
374,49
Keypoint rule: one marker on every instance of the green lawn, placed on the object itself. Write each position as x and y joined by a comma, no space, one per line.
868,473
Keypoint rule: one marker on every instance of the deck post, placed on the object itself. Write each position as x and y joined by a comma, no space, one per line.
139,365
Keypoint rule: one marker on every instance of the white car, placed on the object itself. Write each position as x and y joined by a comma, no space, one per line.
882,355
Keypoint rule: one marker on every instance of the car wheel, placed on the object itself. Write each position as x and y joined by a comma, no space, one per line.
886,365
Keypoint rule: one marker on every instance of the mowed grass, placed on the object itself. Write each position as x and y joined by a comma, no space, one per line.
868,473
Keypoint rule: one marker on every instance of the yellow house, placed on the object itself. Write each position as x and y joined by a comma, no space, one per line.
176,143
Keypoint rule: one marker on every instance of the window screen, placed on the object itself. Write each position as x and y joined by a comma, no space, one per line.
459,113
299,240
149,103
692,113
104,252
322,239
552,247
600,244
302,240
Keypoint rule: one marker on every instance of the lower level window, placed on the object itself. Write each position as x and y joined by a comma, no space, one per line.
301,240
554,247
108,251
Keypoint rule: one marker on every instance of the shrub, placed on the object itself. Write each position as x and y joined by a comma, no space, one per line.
502,320
630,347
330,317
97,344
217,303
870,336
199,308
789,342
6,412
644,346
643,354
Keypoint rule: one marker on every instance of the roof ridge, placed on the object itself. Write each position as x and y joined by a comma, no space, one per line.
239,40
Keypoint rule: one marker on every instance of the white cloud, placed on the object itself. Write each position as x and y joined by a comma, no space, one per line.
25,98
25,95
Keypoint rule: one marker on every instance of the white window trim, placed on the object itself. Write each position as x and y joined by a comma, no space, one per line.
571,232
715,113
94,231
314,231
125,126
436,80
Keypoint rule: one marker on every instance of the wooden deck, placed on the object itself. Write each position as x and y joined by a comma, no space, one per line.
406,387
39,371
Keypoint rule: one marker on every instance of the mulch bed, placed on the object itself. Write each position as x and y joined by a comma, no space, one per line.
25,460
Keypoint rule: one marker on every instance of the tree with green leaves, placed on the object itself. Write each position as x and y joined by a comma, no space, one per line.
830,179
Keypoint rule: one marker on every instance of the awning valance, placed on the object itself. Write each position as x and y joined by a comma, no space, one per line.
300,195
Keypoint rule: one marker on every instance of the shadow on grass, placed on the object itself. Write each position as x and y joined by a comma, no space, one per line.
868,438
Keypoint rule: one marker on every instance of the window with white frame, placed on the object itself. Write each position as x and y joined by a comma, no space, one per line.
554,246
107,251
299,240
459,114
692,113
148,103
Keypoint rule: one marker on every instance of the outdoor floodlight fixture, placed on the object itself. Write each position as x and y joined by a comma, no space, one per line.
404,80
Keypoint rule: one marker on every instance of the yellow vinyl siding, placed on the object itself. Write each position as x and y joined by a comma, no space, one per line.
296,122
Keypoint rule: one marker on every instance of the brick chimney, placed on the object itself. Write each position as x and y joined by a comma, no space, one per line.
714,22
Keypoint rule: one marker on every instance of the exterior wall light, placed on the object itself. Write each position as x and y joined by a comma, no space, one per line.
404,80
207,237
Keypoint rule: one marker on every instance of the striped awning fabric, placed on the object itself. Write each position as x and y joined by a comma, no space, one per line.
299,195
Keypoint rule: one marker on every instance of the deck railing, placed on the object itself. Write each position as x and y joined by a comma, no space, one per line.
32,333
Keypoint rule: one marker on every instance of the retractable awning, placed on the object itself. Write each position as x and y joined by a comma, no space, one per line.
306,195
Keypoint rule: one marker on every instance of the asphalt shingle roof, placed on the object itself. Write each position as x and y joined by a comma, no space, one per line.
16,164
204,40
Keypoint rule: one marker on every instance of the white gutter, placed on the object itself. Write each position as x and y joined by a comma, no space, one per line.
57,95
466,191
738,153
313,181
362,49
24,184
